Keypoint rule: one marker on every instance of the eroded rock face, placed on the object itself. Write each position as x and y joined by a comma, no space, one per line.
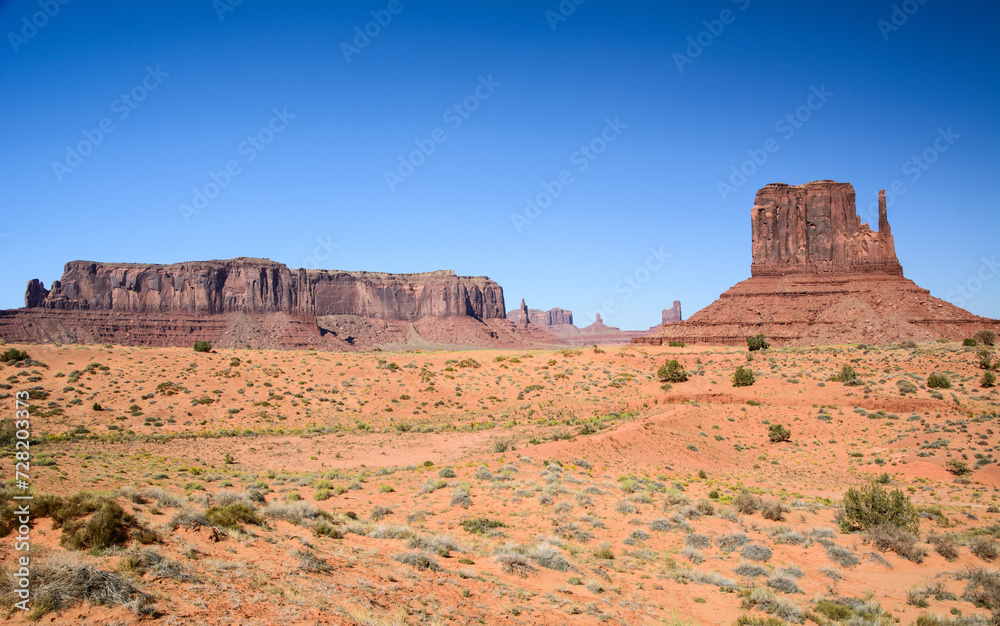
821,277
552,317
815,229
246,285
673,314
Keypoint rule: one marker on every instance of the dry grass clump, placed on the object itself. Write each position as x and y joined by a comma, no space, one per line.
944,545
984,547
418,560
546,555
747,503
294,512
889,538
139,561
63,580
515,563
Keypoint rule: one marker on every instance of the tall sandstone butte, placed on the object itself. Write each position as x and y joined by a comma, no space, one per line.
820,276
673,314
814,229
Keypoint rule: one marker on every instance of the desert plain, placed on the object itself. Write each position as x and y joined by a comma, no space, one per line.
503,486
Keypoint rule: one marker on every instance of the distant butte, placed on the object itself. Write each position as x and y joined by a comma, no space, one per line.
819,276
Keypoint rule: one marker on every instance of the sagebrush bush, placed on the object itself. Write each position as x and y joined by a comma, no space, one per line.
672,372
233,515
938,381
984,547
778,433
890,538
773,510
743,377
756,552
872,505
945,546
747,503
988,380
985,356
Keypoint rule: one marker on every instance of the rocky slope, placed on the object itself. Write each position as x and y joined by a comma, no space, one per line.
819,276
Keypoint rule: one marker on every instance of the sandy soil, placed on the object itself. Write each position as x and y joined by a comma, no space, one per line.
612,496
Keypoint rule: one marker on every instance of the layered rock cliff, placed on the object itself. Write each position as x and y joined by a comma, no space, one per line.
815,229
820,276
552,317
246,285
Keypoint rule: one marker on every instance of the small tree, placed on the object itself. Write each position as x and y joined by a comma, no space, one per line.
202,346
988,380
671,372
872,505
757,342
985,356
778,433
938,381
743,377
985,336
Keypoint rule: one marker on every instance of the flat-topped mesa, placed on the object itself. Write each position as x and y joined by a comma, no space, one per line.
815,229
245,285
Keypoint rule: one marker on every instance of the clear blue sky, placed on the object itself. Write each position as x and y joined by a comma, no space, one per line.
531,90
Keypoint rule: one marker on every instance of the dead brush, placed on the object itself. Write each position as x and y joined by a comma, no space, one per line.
63,580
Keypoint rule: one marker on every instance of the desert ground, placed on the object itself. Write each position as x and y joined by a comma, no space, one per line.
516,487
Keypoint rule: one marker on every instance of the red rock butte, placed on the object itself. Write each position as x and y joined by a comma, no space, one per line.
821,276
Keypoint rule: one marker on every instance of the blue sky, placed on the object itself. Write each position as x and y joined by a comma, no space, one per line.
414,146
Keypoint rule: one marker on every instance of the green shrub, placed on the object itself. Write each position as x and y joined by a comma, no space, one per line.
671,372
202,346
872,505
13,355
743,377
846,375
757,342
956,467
233,515
938,381
988,380
777,433
97,406
676,344
969,342
108,527
480,525
985,356
985,336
